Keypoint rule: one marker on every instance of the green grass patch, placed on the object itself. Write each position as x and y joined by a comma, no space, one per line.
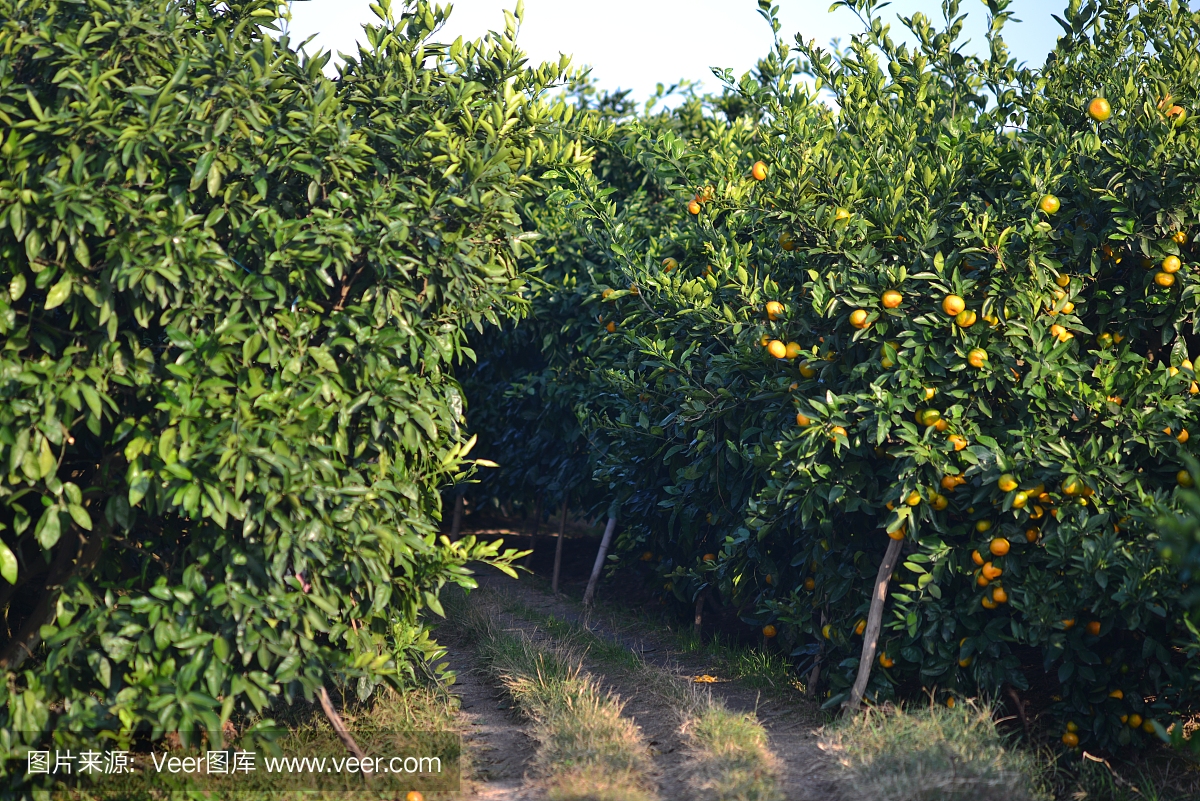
932,754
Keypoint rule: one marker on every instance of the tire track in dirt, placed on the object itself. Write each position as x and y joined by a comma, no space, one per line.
791,726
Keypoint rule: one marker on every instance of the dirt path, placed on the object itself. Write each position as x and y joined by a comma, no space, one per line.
497,744
791,724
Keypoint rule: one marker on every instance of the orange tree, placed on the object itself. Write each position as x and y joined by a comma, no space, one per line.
233,293
954,306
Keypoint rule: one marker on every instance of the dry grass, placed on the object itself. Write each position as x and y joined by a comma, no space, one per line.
588,750
931,754
729,756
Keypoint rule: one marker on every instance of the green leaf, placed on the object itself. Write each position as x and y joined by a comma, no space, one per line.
59,293
8,563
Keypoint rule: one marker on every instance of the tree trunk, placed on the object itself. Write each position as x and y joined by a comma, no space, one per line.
562,527
338,724
698,619
456,520
874,623
537,521
600,555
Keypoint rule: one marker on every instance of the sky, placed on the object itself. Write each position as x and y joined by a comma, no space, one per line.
634,44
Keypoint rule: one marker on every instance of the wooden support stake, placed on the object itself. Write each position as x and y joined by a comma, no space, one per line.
537,521
600,555
562,527
874,623
456,520
339,725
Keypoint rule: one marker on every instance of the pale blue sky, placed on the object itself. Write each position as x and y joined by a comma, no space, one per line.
633,44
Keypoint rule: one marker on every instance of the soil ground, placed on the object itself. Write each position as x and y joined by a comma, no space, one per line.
498,742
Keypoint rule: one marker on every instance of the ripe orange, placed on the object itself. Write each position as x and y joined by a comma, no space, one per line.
913,499
1099,109
941,425
885,662
958,442
1070,739
940,502
611,327
694,207
1063,280
953,304
950,701
929,393
414,795
710,557
999,546
977,557
891,299
647,556
775,310
1148,726
928,417
787,241
1180,238
838,430
977,357
769,631
1093,628
810,584
669,264
1184,479
899,533
1171,264
1069,623
806,369
1049,204
966,318
1007,482
982,580
793,350
1072,487
759,171
606,293
983,526
858,318
964,662
777,349
1031,535
1176,112
770,579
860,627
999,596
1116,694
991,571
987,603
1183,435
1164,279
1135,720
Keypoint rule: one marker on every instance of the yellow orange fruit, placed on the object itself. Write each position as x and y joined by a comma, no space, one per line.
999,596
966,318
1063,280
885,661
777,349
990,571
977,357
1007,482
999,546
1049,204
759,171
958,442
1070,739
1184,479
694,207
775,310
1180,238
1135,720
793,350
1099,109
769,631
977,558
1116,694
899,533
953,304
611,327
1032,535
1171,264
1093,628
1069,623
858,318
891,299
983,526
1164,279
787,241
810,584
806,369
669,264
860,627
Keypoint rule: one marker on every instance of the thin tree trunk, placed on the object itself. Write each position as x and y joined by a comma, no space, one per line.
338,724
698,620
562,527
874,623
600,556
537,521
456,520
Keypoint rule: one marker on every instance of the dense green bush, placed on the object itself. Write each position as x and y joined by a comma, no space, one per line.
925,173
234,293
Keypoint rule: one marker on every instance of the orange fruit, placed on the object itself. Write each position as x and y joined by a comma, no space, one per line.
977,357
999,596
802,419
928,417
941,425
1164,279
777,349
1116,694
770,579
759,171
1063,280
1031,535
950,701
1093,628
806,369
1049,204
966,318
1072,487
913,499
1180,238
977,558
1135,720
1070,739
769,631
999,546
858,318
899,533
1183,435
810,584
987,603
669,264
793,350
891,299
1176,112
964,662
982,580
611,327
958,442
694,207
983,526
774,310
1184,479
1069,623
991,571
885,662
647,556
414,795
860,627
710,557
787,241
952,305
1171,264
838,430
1007,483
1099,109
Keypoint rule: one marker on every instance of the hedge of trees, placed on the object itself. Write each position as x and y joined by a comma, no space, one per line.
235,292
904,303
